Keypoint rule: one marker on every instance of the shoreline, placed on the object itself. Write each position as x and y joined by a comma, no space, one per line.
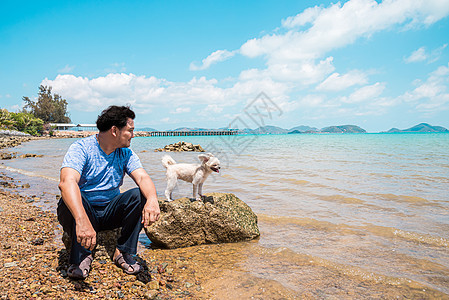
224,271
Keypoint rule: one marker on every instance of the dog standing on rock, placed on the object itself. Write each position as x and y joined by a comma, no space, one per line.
196,174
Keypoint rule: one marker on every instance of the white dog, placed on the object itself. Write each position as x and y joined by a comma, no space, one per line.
195,174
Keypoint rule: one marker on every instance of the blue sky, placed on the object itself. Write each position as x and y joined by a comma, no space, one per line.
374,64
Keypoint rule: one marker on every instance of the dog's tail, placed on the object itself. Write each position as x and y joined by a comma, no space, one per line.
167,161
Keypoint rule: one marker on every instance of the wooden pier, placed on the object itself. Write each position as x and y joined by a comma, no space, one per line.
192,133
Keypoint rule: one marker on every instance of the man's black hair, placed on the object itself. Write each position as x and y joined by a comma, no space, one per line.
114,116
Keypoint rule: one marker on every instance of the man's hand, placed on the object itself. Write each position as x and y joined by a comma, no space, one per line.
150,212
85,234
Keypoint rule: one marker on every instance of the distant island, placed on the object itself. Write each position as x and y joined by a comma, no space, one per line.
422,127
302,129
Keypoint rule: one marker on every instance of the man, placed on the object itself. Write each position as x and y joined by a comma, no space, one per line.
90,177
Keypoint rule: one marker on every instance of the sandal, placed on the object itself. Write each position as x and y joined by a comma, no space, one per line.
82,270
125,261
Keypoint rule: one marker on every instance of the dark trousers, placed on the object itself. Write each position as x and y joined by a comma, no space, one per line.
123,211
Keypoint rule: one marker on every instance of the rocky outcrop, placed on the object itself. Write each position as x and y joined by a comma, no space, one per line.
12,155
181,146
72,134
8,141
220,218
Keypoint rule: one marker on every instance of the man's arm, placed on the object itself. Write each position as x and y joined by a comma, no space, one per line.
71,195
151,211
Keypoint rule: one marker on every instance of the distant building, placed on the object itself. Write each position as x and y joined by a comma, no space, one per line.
62,126
87,127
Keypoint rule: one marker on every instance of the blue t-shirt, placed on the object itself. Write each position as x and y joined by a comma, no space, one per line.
101,174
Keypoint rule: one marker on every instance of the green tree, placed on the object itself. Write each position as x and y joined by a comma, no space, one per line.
6,120
27,123
21,121
50,108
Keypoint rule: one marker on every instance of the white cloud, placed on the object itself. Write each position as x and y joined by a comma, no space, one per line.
181,110
431,95
339,25
338,82
217,56
422,55
307,16
417,55
366,93
301,73
116,68
145,93
66,69
311,101
297,53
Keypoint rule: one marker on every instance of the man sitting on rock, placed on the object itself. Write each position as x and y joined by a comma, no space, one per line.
91,174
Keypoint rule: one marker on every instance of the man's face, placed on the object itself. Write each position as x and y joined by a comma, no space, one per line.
126,134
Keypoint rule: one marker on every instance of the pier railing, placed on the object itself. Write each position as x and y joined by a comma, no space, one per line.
190,133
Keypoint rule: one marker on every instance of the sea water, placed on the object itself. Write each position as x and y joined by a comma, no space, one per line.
370,206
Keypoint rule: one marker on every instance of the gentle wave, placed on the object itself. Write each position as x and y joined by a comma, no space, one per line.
381,231
415,237
280,255
28,173
405,198
342,199
295,181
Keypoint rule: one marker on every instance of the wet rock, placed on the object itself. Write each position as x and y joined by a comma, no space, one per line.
221,218
120,295
38,241
10,264
152,294
30,155
7,155
153,285
180,147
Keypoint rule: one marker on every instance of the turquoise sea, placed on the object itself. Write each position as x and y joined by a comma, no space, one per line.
370,208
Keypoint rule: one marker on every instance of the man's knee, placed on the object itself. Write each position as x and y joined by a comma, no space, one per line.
65,217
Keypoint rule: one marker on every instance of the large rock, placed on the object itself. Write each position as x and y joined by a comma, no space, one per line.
221,218
180,147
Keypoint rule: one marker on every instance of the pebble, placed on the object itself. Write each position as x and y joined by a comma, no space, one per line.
153,285
10,264
150,295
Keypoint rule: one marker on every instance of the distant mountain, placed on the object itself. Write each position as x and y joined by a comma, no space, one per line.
192,129
270,130
302,129
146,129
422,127
343,129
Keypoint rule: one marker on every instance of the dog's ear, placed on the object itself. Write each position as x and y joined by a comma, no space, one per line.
210,154
203,157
